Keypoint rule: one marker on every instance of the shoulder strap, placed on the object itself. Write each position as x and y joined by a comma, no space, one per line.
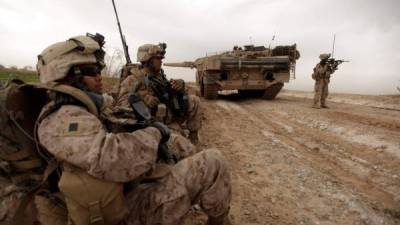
74,92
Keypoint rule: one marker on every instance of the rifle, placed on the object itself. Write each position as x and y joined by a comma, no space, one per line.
124,45
162,88
331,61
335,63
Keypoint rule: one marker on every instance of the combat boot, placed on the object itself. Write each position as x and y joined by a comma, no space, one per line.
194,137
324,106
316,106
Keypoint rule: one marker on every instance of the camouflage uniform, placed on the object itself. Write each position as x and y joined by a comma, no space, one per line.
155,193
10,198
126,157
321,74
180,146
115,118
137,82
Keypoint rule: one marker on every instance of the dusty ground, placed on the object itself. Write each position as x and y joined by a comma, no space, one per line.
292,164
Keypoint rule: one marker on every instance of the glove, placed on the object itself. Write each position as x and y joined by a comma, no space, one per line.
178,85
164,131
151,101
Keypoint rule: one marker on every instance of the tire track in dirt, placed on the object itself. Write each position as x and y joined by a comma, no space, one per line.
316,139
372,146
330,166
247,125
385,123
305,135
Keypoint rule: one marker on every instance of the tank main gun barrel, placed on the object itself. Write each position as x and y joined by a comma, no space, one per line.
187,64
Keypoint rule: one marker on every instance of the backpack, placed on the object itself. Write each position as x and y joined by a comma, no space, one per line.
20,106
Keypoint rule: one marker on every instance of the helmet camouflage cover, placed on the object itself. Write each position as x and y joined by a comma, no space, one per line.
324,56
56,60
147,51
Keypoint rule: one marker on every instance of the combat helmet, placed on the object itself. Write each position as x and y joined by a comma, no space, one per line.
55,61
147,51
324,56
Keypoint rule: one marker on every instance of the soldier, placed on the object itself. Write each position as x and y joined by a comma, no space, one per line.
150,82
97,165
321,74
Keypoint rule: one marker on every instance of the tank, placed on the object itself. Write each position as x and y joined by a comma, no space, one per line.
252,70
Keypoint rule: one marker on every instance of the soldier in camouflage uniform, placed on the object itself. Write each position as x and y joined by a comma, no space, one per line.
321,74
71,131
150,56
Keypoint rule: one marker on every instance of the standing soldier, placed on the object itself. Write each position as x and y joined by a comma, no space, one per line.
151,84
321,74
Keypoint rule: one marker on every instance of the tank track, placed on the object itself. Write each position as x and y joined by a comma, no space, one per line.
272,91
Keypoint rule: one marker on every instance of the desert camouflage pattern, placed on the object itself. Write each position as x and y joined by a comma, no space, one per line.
321,75
74,135
321,92
165,193
135,83
116,117
10,198
202,178
180,147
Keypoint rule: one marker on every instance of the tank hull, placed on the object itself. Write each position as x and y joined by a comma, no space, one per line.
255,70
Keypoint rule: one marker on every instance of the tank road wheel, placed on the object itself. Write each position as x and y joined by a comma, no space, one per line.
210,91
272,91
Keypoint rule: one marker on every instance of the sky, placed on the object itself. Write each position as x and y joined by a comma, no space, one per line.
367,33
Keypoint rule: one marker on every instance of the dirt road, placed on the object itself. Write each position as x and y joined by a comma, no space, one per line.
292,164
